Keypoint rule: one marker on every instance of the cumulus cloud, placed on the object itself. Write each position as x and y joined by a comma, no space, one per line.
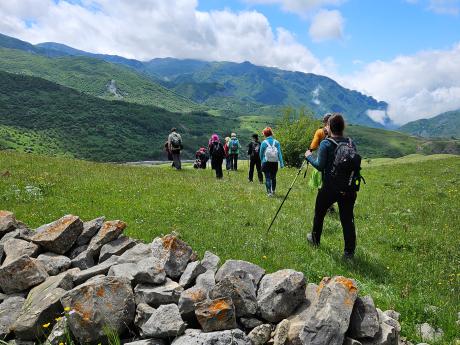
144,29
417,86
327,25
301,7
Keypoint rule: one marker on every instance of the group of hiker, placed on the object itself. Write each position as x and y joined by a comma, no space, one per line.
337,167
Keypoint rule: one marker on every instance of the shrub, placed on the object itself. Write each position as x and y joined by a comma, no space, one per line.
295,131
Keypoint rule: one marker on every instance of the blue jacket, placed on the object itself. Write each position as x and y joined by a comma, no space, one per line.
264,146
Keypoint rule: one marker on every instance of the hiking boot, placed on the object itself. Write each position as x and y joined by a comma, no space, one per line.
311,240
348,256
269,194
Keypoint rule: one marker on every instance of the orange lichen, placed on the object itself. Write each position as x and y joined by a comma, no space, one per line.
58,226
83,312
347,283
110,225
100,292
169,242
5,213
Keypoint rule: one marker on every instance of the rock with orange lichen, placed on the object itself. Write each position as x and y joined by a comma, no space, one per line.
15,248
8,222
21,274
175,254
101,302
90,229
188,299
280,293
331,317
165,322
216,315
58,237
109,231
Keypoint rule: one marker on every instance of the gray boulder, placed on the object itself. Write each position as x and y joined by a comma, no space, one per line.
59,236
89,230
126,270
261,334
109,231
216,315
14,248
103,301
155,296
231,266
165,322
193,270
21,274
8,222
392,314
147,342
21,233
143,313
175,254
83,261
210,261
84,275
280,293
9,312
385,336
349,341
150,271
364,321
75,251
135,254
198,293
332,313
250,323
54,263
197,337
240,288
116,247
280,334
428,332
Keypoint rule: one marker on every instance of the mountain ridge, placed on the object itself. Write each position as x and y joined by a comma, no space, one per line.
444,125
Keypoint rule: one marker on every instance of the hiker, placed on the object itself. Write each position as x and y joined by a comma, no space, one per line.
168,152
217,155
254,159
339,182
201,158
233,151
175,146
228,165
270,155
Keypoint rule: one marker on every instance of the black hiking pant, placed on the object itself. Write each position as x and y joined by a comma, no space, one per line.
255,162
233,161
346,201
217,166
176,160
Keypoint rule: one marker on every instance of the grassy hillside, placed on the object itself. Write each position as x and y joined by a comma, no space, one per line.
446,125
96,78
407,220
40,116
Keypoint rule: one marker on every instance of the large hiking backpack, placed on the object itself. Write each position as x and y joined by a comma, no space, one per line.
176,141
234,146
271,152
346,169
255,150
217,151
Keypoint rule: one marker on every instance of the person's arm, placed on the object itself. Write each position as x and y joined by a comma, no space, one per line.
169,142
280,154
320,162
263,146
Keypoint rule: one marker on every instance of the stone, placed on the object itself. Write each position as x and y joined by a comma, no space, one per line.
75,251
261,334
59,236
109,231
84,275
175,254
364,321
204,283
231,266
21,274
116,247
14,248
331,316
42,306
103,301
126,270
150,271
428,332
240,288
147,342
206,280
385,336
58,333
54,263
210,261
193,270
165,322
9,312
155,296
197,337
89,230
280,293
349,341
250,323
8,222
281,332
216,315
389,321
392,314
135,254
20,233
143,313
83,261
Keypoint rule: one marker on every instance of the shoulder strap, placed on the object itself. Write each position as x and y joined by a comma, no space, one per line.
333,141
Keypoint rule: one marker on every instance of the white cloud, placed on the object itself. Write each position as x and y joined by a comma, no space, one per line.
302,7
326,25
417,86
379,116
451,7
144,29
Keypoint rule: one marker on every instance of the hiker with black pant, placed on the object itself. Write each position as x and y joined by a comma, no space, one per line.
228,164
175,146
217,155
254,159
270,155
339,164
233,151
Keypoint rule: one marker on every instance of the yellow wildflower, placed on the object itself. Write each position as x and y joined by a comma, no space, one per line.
264,257
46,325
61,344
67,309
58,318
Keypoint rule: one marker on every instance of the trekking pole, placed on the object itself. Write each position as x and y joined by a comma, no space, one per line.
289,190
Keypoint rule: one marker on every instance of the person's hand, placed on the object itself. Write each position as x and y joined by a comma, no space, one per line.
308,154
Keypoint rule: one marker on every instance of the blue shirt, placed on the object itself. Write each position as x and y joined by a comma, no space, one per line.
263,147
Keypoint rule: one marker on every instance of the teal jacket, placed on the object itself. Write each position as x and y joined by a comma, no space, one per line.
264,146
237,152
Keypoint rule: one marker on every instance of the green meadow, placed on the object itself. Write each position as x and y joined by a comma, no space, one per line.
407,220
